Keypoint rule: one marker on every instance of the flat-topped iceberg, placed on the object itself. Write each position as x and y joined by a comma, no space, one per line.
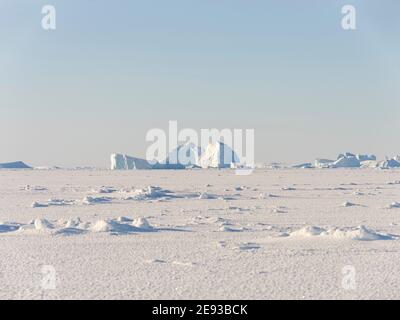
124,162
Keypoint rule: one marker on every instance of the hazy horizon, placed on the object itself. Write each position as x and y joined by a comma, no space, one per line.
110,72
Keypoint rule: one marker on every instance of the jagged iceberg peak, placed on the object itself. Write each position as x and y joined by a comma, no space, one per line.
184,156
218,155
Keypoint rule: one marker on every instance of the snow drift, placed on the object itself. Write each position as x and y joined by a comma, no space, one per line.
360,233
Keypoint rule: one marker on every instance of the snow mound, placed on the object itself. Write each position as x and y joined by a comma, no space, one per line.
308,231
103,226
278,209
110,226
52,202
393,205
359,233
59,202
74,226
104,189
42,224
73,223
149,192
205,195
155,192
225,228
348,204
36,204
288,188
93,200
33,188
142,223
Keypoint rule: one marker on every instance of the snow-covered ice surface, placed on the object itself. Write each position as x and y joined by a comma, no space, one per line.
199,234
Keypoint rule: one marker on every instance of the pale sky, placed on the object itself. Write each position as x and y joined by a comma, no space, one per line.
112,70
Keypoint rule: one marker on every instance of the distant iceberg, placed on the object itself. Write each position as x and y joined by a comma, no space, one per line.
184,156
306,165
383,164
218,155
14,165
323,163
346,160
366,157
389,163
124,162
